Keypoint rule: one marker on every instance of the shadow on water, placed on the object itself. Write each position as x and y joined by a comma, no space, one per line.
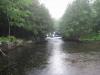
78,47
23,58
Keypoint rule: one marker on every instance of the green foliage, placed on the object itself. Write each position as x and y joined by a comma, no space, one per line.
80,19
7,39
96,10
28,14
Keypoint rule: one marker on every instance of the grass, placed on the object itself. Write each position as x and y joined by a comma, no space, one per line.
91,37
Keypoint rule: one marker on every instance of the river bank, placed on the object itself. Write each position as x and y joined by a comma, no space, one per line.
85,38
10,43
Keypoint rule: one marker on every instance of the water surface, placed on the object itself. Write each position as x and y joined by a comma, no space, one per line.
54,57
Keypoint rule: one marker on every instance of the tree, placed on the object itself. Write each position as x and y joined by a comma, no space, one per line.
96,10
77,20
29,15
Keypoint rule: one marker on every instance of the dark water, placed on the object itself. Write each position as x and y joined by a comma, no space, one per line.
54,57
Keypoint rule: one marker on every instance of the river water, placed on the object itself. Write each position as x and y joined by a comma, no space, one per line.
55,57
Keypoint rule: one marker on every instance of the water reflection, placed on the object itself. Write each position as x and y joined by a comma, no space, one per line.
70,59
56,61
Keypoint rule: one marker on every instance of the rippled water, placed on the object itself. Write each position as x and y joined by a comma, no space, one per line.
55,57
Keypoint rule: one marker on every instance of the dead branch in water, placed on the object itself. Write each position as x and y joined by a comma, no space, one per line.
2,53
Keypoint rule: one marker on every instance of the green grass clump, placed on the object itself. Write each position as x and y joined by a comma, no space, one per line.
7,39
90,37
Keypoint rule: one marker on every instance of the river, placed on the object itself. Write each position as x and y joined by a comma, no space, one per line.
54,57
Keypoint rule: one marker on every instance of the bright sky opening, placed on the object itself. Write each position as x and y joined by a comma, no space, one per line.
56,7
